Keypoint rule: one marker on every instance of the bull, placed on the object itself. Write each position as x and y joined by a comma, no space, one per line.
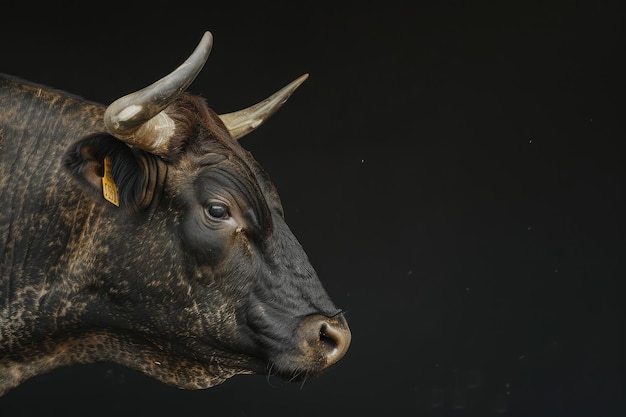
143,234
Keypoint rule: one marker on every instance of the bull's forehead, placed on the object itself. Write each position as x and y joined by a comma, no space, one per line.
229,155
222,166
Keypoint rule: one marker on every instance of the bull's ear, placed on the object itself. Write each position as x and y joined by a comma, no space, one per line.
86,160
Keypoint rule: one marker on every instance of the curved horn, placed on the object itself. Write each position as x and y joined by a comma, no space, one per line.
242,122
138,119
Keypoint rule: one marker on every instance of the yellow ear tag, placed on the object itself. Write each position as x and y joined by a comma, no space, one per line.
109,189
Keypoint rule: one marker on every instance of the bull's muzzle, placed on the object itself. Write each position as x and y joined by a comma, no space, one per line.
324,340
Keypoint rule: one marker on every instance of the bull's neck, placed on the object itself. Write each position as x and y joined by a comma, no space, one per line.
38,296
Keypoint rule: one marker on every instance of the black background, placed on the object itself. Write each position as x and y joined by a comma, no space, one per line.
455,171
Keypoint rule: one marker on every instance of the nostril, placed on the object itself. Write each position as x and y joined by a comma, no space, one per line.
325,338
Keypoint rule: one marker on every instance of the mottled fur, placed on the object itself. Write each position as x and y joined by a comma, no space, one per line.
157,284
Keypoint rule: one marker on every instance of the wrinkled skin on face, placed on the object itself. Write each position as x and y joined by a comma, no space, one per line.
195,278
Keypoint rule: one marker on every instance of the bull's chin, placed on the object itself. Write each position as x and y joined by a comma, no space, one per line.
175,365
207,366
203,366
186,370
186,373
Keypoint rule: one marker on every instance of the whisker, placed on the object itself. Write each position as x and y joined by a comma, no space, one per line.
294,375
270,367
304,379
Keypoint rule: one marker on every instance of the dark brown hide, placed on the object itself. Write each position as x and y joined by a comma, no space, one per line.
195,278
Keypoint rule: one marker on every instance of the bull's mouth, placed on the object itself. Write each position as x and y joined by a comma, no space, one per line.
313,345
318,343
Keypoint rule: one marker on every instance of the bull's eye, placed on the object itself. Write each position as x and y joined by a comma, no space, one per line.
217,211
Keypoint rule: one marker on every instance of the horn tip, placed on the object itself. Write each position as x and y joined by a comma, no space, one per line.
301,78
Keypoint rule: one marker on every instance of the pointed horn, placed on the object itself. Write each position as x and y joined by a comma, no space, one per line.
138,119
242,122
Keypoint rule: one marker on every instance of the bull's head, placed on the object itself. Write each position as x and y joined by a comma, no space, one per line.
220,284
